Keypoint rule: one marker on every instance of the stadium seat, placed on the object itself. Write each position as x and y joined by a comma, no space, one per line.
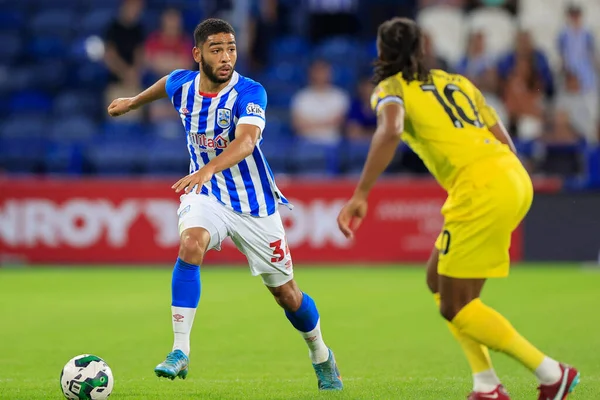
26,101
76,102
90,75
446,25
340,49
276,150
167,156
48,47
290,49
11,20
116,156
309,157
354,154
95,22
63,158
29,126
21,154
122,129
75,128
10,49
54,22
50,75
344,76
491,21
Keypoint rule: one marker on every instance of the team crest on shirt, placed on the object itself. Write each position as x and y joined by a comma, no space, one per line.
223,117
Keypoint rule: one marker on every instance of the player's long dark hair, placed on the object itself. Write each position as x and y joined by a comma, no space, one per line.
400,45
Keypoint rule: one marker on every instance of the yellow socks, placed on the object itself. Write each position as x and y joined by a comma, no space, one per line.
488,327
478,356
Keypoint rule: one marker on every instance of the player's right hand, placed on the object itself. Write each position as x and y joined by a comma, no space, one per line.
120,106
351,216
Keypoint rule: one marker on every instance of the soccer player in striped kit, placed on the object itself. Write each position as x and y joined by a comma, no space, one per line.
230,192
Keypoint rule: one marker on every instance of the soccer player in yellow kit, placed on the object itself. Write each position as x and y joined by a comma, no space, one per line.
444,118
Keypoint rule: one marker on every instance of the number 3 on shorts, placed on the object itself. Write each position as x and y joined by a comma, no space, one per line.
278,252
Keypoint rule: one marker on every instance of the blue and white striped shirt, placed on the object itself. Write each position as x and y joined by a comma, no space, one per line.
210,122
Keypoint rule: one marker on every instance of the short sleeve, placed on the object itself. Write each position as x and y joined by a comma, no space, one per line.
252,104
388,91
176,79
487,112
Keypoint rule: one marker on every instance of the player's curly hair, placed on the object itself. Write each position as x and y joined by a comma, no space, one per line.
211,26
400,44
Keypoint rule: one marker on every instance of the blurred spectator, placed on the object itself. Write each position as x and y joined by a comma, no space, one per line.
168,48
453,3
432,60
489,86
524,100
262,30
509,5
476,62
570,99
576,46
560,150
319,110
362,121
328,18
524,49
124,53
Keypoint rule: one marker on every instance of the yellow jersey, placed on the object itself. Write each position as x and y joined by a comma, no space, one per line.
446,122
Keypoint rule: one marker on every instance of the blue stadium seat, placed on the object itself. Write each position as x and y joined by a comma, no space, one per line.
12,44
54,22
11,19
63,158
51,75
309,157
75,128
288,72
48,47
167,156
290,48
29,126
96,21
89,75
76,102
354,154
110,4
344,76
20,77
340,49
122,129
116,156
276,151
28,101
21,154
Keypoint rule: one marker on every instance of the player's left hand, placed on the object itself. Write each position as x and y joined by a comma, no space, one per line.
197,179
351,216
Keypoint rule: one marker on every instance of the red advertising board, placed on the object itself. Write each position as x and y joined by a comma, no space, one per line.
135,221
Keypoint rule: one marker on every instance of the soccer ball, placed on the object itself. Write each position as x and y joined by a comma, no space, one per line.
86,377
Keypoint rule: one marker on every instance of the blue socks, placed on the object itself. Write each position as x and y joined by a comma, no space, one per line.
185,285
305,319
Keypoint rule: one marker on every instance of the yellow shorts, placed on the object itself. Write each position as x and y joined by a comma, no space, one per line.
485,205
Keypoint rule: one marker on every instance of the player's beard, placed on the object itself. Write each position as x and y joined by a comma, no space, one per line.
208,71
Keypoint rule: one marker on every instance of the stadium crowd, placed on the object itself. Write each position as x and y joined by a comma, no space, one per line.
62,61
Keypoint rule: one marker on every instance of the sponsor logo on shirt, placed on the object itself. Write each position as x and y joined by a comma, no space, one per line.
255,109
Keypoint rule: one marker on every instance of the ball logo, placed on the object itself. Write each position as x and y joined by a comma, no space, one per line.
178,317
255,109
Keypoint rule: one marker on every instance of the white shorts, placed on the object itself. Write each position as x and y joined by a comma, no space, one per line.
261,240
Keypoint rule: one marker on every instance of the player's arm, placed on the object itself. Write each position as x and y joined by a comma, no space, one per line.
390,124
500,132
246,137
123,105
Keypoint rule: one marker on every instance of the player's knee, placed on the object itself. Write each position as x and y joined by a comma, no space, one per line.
288,296
191,249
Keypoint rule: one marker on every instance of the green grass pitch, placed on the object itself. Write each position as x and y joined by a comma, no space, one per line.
381,322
